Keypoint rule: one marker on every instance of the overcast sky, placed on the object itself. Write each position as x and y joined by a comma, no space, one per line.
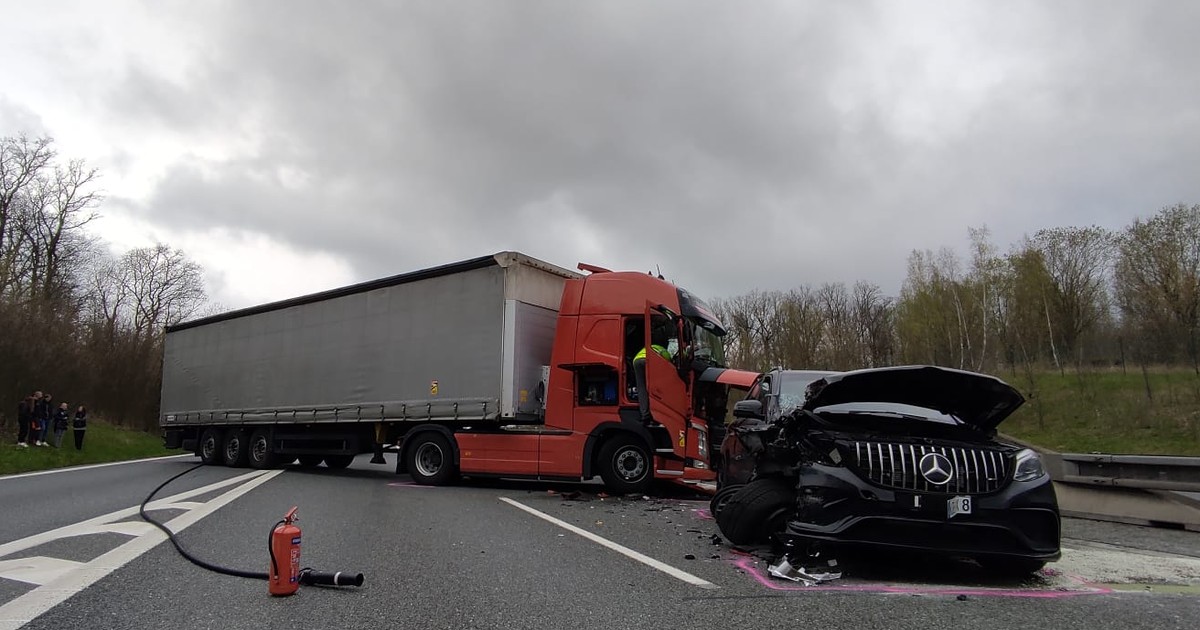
295,146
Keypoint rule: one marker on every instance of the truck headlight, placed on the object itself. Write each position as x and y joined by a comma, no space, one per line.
702,444
1029,466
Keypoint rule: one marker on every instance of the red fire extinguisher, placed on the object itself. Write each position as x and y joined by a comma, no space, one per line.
284,576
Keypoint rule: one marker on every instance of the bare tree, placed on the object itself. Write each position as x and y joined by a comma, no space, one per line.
1157,279
163,287
1077,261
21,163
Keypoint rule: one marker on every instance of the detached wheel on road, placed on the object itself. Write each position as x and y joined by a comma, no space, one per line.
237,449
310,461
261,455
338,461
721,498
756,511
210,447
430,460
625,464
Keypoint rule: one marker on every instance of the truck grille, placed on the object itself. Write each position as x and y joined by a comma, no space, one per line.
894,465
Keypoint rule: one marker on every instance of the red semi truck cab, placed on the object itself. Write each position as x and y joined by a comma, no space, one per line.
593,424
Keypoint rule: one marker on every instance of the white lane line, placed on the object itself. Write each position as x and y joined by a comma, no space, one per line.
37,570
90,466
625,551
27,607
89,526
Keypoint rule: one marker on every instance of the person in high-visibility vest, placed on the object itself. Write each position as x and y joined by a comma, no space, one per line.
657,344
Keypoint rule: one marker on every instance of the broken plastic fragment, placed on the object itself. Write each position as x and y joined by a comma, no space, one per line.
808,576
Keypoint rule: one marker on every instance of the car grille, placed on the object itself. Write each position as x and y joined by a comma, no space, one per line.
895,465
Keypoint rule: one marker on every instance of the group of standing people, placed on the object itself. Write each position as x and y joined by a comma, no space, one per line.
37,417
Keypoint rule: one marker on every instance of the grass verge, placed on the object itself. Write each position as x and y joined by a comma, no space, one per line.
1109,411
104,443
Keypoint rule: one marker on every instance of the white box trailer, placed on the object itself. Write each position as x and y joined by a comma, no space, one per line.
461,342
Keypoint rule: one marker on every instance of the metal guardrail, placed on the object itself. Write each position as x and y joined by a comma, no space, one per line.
1146,472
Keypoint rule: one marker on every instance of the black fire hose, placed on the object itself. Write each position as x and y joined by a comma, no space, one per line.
307,575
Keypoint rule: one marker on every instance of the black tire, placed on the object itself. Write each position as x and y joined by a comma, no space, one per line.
338,461
626,465
758,510
430,459
261,455
310,461
236,449
1013,568
721,498
210,447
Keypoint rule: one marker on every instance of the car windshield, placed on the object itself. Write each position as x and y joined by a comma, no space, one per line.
792,386
886,409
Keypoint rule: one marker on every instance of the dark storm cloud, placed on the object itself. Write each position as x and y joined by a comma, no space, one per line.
736,145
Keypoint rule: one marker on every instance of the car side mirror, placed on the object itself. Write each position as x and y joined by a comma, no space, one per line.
748,409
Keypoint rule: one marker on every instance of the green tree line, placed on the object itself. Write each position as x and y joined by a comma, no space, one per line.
1068,297
76,320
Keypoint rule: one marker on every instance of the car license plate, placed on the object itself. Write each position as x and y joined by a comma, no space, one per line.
958,505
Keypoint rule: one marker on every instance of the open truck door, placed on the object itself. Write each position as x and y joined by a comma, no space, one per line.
670,402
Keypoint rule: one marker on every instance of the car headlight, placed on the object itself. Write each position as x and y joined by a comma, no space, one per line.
1029,466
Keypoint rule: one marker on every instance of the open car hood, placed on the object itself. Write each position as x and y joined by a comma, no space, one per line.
981,402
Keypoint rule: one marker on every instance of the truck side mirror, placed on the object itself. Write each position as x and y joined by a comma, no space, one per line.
748,409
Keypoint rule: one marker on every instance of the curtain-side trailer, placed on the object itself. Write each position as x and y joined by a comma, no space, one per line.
501,365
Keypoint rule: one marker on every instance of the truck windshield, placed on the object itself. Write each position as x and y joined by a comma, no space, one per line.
708,344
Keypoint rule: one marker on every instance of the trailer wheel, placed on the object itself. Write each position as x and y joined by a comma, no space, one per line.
756,511
261,455
430,460
626,464
210,447
310,461
237,449
338,461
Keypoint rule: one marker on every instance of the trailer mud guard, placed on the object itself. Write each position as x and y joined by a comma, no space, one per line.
402,456
592,445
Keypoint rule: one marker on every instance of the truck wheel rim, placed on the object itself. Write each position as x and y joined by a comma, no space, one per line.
209,448
630,464
259,449
429,459
232,448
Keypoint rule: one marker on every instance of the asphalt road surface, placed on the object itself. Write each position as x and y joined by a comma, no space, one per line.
74,554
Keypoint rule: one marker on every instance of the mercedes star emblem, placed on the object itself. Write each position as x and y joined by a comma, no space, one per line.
936,469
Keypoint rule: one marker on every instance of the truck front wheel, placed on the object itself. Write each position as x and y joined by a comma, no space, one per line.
430,460
625,464
210,447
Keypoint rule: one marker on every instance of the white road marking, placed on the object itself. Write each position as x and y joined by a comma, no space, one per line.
625,551
90,466
27,607
92,525
36,570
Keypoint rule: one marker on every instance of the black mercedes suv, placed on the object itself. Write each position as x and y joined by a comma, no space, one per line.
901,458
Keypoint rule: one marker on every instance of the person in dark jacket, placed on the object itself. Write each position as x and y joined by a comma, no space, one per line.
47,418
61,419
80,426
37,422
24,417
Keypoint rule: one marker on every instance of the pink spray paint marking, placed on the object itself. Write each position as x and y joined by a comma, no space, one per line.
746,563
703,513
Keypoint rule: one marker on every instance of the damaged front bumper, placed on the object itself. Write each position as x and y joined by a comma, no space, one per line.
837,508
